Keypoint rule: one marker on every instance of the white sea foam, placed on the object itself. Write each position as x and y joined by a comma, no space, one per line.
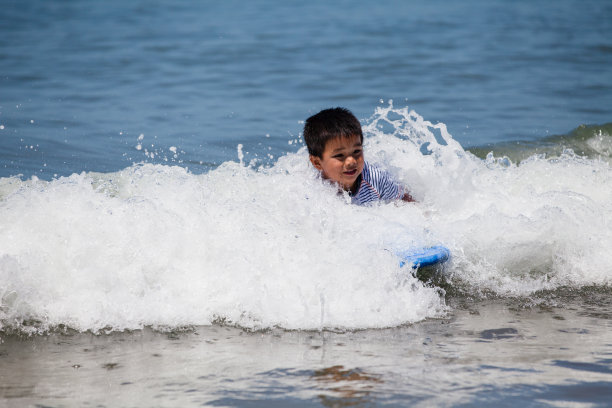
157,245
513,228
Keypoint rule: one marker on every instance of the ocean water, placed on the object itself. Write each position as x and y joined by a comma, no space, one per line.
80,83
164,240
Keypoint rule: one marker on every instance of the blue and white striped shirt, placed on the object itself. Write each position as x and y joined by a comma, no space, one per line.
375,185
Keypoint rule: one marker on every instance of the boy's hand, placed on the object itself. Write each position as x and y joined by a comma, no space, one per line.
408,198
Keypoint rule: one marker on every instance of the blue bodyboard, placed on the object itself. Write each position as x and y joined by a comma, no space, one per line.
420,257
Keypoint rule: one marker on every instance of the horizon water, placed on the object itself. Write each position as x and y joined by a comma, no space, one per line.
158,212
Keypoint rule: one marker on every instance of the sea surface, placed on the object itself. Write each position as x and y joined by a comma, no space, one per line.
165,242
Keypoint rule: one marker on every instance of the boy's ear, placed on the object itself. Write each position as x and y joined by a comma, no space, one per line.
316,161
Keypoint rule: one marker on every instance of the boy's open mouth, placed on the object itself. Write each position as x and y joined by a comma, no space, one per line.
350,172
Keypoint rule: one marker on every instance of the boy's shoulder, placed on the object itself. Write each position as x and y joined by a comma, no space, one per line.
373,172
376,184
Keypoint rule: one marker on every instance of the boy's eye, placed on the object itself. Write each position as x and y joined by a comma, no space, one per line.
338,156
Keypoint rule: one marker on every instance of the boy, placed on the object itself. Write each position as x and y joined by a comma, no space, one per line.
334,140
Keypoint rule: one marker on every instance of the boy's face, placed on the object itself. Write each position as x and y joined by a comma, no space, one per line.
342,161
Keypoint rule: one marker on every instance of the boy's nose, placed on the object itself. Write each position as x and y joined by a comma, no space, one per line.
350,161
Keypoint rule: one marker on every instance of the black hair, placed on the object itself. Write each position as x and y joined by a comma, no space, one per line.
329,124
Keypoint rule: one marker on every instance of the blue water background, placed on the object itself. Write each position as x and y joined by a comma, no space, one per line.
80,81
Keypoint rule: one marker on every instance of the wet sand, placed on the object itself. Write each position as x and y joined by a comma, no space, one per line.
485,353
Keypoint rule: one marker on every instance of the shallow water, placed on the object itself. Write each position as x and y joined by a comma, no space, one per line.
498,353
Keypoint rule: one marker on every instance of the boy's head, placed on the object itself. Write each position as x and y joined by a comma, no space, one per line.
334,140
329,124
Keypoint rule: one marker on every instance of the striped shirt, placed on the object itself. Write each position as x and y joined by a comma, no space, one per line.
376,184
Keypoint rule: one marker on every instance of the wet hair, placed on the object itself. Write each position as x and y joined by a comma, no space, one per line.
329,124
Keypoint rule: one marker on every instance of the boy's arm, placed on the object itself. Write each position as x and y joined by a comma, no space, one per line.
389,188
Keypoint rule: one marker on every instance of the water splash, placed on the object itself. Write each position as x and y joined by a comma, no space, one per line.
156,245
